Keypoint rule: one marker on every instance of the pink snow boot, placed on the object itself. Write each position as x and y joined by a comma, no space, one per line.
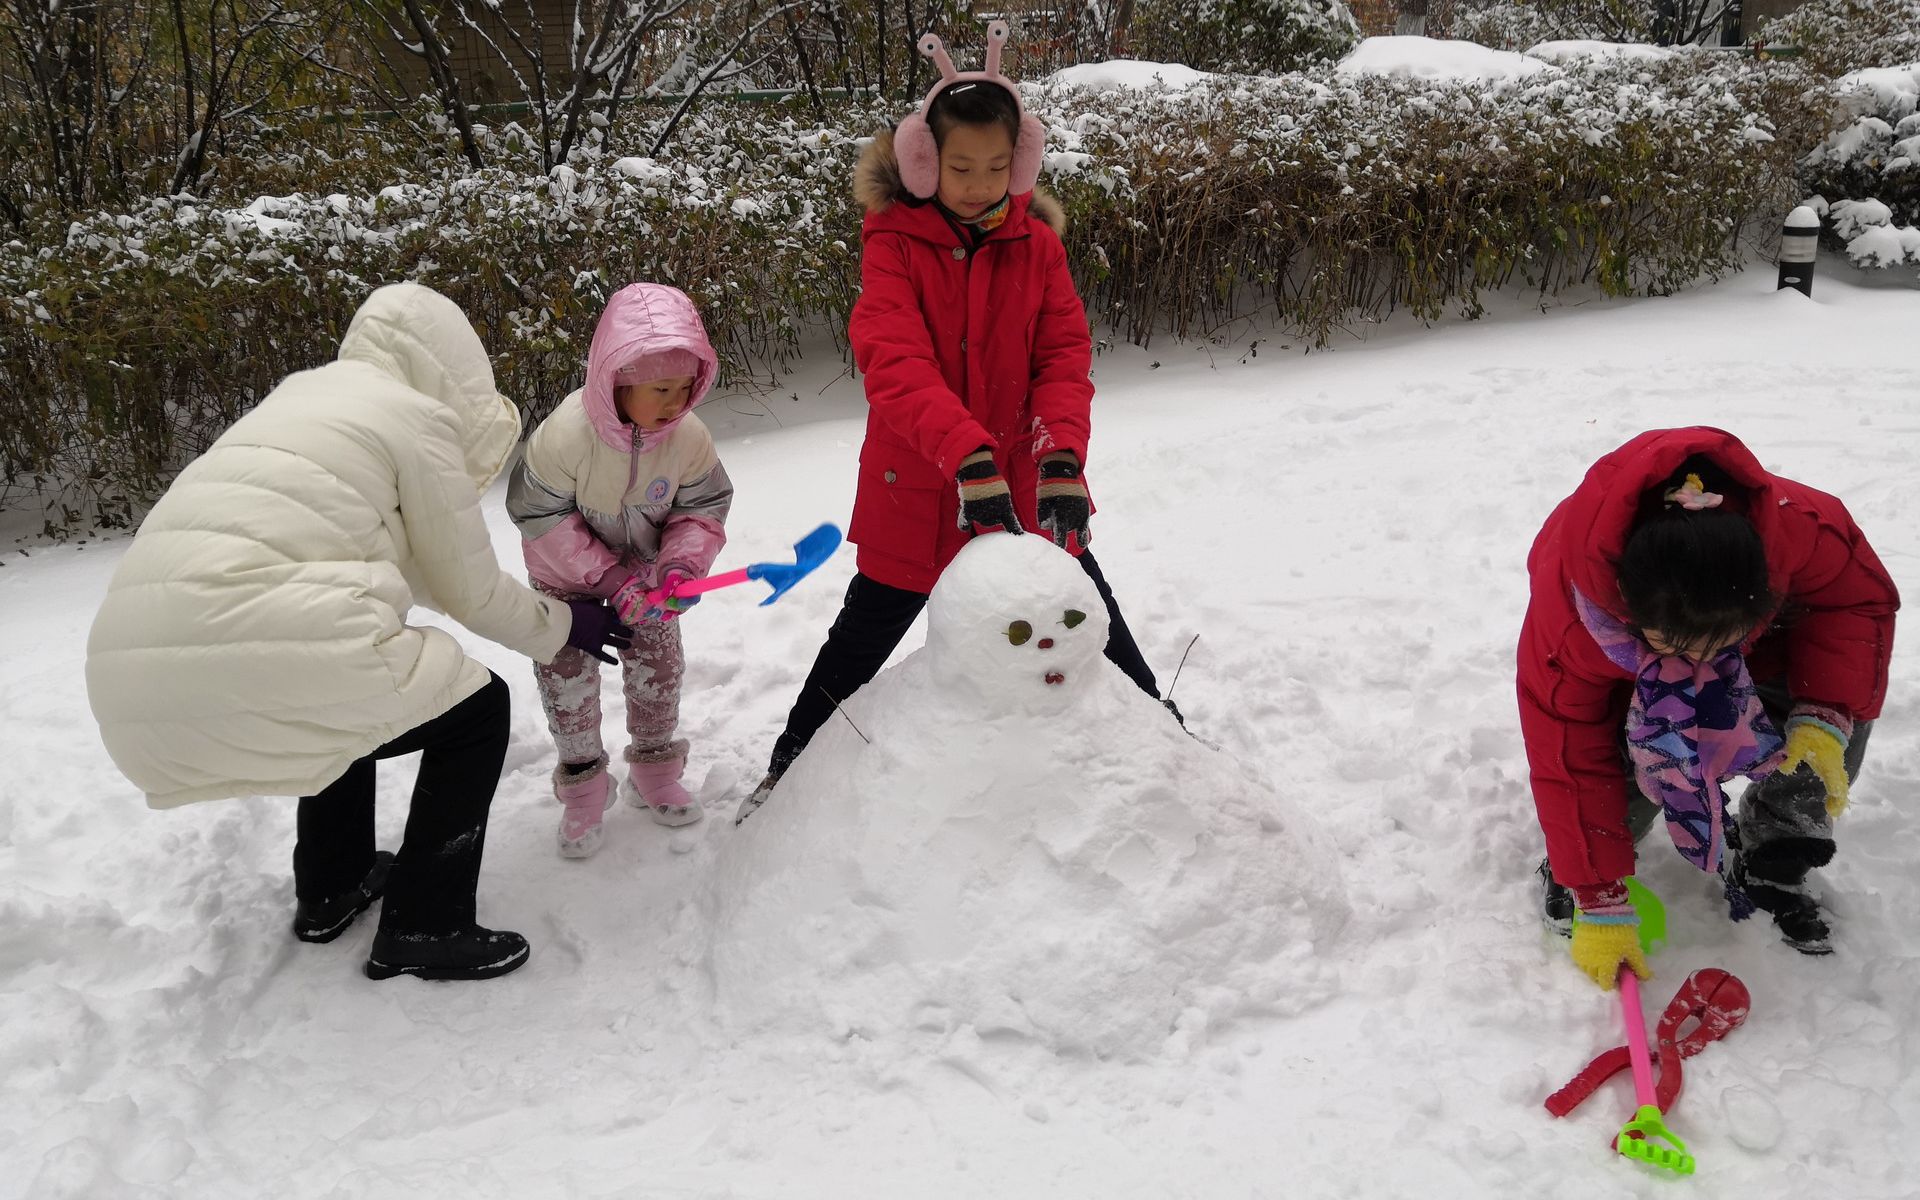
586,795
653,783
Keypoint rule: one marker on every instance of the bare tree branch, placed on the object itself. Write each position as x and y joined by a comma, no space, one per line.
746,35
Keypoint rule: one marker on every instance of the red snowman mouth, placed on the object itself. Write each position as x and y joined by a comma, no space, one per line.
1055,677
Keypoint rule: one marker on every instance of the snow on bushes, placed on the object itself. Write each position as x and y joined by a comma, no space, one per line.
1428,58
1242,35
1847,35
1866,177
1337,198
131,339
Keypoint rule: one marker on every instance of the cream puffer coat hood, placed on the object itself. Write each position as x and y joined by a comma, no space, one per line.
254,638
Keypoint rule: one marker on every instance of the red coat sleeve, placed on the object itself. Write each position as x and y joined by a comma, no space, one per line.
894,350
1840,606
1062,363
1570,719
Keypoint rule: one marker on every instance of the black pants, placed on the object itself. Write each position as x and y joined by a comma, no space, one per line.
873,619
438,868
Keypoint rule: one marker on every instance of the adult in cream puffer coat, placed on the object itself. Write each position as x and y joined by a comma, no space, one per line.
254,640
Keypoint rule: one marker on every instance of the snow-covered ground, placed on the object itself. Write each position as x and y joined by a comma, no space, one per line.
1346,533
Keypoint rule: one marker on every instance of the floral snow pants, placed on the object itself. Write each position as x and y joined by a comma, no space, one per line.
650,670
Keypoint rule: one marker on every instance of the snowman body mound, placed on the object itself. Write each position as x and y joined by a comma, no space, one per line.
1003,832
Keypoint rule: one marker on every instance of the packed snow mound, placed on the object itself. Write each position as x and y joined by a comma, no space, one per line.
1574,49
1431,58
1006,838
1132,74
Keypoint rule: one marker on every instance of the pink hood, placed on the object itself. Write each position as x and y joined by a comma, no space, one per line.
642,319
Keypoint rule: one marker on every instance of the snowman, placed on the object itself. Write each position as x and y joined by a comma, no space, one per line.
1003,836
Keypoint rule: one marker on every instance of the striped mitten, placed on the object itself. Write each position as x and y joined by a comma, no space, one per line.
986,506
1064,506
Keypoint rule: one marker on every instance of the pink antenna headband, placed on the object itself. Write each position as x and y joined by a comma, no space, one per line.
913,141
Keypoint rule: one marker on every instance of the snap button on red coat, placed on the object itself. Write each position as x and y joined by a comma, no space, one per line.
889,477
959,252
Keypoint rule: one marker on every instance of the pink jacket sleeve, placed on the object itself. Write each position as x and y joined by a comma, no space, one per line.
569,558
696,524
562,552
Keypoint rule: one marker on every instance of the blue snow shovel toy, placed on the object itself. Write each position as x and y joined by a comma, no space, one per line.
808,553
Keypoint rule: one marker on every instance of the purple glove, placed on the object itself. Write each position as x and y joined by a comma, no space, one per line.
596,626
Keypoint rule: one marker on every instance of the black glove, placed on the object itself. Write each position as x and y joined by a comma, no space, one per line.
1064,507
596,626
986,506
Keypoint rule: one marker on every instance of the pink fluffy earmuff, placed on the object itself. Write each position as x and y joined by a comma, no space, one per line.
913,141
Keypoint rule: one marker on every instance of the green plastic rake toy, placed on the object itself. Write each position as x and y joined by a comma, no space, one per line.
1646,1137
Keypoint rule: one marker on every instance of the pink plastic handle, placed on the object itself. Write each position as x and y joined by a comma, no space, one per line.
695,587
1636,1036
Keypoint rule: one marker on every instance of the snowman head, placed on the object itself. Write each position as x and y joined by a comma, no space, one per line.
1015,621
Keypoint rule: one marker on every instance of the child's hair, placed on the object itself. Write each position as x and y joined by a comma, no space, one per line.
973,103
1698,576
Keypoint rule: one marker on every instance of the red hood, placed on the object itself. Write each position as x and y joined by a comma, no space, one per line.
1592,524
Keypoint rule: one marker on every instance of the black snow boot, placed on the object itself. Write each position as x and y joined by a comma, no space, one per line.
470,953
1796,914
326,920
1556,902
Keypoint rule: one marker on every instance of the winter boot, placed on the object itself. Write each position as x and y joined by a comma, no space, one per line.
758,796
1556,902
1784,835
1795,912
653,783
469,953
586,795
328,919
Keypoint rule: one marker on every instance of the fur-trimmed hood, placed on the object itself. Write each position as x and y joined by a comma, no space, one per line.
877,186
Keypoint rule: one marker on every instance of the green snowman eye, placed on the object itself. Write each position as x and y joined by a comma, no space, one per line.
1019,632
1074,617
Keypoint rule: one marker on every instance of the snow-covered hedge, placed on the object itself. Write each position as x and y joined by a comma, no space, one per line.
1242,35
1847,35
1517,24
1337,199
132,339
1866,177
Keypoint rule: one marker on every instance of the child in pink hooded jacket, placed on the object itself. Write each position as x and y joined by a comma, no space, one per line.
620,493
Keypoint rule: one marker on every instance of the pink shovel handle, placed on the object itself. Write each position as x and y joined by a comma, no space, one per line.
694,587
1636,1036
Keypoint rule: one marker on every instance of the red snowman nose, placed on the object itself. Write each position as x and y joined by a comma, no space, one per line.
1046,643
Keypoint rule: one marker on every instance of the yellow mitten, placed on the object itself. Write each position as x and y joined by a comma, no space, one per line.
1599,949
1814,743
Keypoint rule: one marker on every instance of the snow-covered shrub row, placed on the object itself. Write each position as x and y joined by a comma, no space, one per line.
130,344
134,338
1847,35
1338,198
1517,24
1865,179
1242,35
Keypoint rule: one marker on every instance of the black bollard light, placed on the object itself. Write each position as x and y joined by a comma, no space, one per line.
1799,242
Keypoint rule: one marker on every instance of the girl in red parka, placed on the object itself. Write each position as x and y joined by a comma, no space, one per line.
1694,618
976,353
